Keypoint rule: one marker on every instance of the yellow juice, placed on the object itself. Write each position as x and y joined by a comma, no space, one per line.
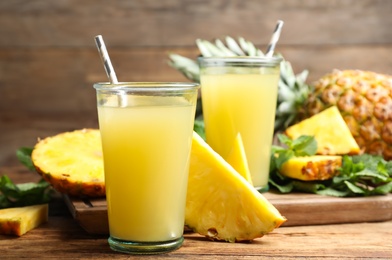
146,160
242,103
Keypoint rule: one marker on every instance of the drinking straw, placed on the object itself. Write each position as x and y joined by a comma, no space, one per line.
274,39
122,98
105,59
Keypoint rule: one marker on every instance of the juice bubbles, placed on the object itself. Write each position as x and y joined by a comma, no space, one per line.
239,96
146,141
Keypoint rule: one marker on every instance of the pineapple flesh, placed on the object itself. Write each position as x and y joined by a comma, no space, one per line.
311,168
237,159
221,204
72,162
18,221
330,131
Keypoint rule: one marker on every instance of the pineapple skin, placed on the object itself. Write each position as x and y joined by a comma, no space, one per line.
364,99
318,167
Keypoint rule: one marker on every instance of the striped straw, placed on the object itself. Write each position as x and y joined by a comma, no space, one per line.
274,39
105,59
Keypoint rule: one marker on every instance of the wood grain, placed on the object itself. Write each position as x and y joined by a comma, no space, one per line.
300,209
62,237
126,23
48,60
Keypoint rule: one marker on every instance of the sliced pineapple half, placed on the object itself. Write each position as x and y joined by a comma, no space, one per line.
330,131
311,168
237,159
72,162
18,221
221,204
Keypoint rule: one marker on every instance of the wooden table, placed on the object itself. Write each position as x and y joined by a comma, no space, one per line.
62,238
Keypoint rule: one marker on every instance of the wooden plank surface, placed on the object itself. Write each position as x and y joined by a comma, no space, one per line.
300,210
60,81
47,23
48,60
62,237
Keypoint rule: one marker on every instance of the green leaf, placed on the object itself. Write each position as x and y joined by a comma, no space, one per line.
311,187
304,146
383,189
24,156
354,188
283,188
360,175
198,127
25,194
285,140
375,177
333,192
283,157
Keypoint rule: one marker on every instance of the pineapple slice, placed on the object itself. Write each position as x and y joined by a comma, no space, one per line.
310,168
221,204
237,159
18,221
72,162
330,131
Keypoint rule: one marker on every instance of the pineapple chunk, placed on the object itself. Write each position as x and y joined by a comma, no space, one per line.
72,162
310,168
18,221
330,131
221,204
237,159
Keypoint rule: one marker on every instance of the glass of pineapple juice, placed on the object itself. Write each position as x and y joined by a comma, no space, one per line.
239,95
146,131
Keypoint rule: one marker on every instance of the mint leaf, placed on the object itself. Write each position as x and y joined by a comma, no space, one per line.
360,175
383,189
306,186
354,188
25,194
304,146
283,188
198,127
328,191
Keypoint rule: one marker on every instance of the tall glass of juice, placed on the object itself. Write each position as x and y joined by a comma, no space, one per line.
146,131
239,95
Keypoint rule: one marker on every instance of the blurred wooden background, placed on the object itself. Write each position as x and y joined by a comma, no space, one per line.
48,59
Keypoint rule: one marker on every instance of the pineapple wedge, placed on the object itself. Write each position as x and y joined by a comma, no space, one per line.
310,168
221,204
330,131
18,221
237,159
72,162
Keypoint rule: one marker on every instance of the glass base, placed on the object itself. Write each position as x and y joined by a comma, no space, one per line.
262,189
144,248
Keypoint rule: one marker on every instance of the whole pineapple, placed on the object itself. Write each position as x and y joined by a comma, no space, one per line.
364,98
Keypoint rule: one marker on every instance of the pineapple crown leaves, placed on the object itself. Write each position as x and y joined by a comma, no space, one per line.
190,68
292,92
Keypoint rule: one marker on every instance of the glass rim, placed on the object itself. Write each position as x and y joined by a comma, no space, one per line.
146,86
254,60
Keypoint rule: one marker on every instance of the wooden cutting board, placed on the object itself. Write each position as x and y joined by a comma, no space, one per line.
299,208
